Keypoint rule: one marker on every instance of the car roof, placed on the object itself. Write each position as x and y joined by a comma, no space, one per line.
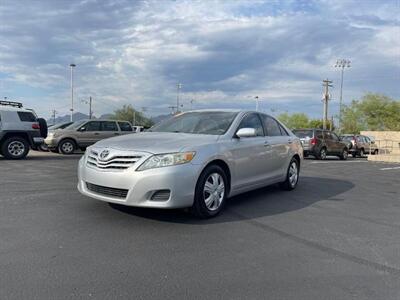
12,108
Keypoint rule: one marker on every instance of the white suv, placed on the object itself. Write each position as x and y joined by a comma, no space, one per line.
20,129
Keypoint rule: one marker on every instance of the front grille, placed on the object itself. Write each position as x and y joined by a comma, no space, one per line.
116,162
161,195
107,191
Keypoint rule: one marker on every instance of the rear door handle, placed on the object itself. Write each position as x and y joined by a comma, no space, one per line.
96,133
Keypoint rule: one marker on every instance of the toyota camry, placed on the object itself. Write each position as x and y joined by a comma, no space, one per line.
196,159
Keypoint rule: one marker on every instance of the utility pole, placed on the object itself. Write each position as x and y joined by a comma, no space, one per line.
178,88
53,115
72,66
90,106
327,84
342,64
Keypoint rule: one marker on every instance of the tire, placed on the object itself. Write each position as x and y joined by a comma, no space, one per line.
43,147
292,176
212,185
67,146
15,148
376,152
322,154
43,127
361,153
354,154
344,155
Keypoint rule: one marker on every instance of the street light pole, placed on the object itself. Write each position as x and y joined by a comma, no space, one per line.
341,63
256,97
72,66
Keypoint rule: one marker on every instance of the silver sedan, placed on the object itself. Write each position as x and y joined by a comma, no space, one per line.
196,159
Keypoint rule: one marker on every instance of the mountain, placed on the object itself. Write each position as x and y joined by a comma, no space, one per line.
63,119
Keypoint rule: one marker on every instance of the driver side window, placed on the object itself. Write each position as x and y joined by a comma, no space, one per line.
92,126
252,121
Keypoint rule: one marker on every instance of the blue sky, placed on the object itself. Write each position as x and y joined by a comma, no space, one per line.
223,52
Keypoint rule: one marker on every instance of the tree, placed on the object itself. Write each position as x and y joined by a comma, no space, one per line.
128,113
296,120
371,112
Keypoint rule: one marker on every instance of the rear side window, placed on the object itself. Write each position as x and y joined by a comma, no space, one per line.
272,127
26,116
109,126
125,126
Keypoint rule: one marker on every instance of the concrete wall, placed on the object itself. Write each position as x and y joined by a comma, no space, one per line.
383,135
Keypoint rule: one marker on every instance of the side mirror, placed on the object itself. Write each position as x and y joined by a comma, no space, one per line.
82,129
246,132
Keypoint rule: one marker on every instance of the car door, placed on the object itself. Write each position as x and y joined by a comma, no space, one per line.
337,145
108,129
248,155
278,145
89,133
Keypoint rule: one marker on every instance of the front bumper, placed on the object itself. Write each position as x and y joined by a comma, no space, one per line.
51,142
141,185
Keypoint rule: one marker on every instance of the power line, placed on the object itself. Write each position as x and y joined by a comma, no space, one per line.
326,96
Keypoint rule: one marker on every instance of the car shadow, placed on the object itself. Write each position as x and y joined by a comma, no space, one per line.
263,202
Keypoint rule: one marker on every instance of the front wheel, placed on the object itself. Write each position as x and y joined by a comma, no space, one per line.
344,154
67,146
211,191
292,176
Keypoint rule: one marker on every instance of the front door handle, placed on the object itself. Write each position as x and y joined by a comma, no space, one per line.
290,141
96,133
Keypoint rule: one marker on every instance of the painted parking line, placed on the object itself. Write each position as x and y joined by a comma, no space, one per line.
391,168
339,161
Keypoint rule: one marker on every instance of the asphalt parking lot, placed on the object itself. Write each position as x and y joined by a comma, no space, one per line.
337,236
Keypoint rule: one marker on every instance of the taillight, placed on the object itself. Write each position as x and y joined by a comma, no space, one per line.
35,126
313,141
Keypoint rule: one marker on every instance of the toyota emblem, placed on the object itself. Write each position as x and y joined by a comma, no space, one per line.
104,154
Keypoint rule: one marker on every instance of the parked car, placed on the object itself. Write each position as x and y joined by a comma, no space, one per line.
84,133
359,145
321,143
196,159
138,129
43,146
20,129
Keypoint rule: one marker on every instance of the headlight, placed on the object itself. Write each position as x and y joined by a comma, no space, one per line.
50,134
165,160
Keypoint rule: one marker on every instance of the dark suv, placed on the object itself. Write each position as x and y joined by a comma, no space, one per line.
321,143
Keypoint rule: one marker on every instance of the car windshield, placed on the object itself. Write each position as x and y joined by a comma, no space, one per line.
303,133
214,123
76,124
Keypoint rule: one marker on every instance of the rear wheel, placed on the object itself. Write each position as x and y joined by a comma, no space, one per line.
15,148
211,191
376,152
322,153
67,146
292,176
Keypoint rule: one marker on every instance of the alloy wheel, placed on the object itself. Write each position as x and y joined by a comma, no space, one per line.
293,174
67,147
16,148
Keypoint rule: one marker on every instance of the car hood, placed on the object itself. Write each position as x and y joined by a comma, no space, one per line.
157,142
